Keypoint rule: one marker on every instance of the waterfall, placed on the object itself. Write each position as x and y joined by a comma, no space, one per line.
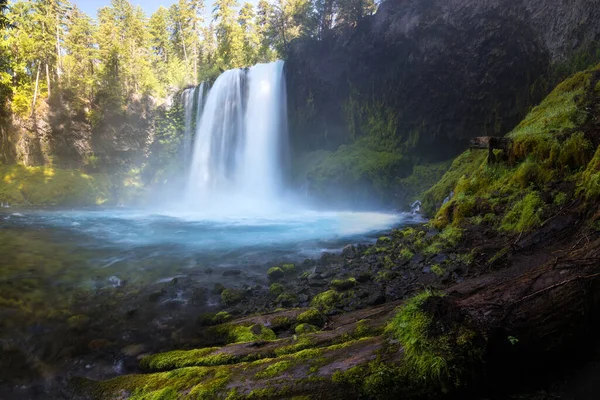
188,110
192,98
240,137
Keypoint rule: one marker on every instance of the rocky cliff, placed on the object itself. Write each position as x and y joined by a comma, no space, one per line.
421,77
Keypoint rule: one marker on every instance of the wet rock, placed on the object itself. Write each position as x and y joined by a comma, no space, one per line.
275,273
78,322
98,344
440,258
363,277
157,295
256,329
218,288
133,350
131,312
349,252
328,258
303,298
376,299
232,272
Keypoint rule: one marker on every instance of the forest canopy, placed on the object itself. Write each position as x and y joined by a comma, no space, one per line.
51,47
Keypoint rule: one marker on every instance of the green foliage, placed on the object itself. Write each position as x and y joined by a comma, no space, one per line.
44,186
360,166
525,214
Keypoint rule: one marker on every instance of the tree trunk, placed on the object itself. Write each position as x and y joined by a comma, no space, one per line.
37,81
48,79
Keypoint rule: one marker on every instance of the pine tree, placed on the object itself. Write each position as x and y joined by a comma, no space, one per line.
230,36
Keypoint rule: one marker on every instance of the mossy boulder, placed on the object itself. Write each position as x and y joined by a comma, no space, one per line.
231,297
326,301
275,273
442,345
312,317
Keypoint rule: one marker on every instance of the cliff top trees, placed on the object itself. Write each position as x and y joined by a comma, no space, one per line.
105,61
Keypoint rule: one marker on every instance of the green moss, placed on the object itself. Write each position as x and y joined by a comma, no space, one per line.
525,214
275,273
287,299
423,177
288,268
240,333
464,165
343,284
362,167
326,301
406,254
44,186
214,319
184,358
161,394
589,183
231,296
438,270
312,316
299,344
305,328
281,323
448,238
435,352
560,199
274,369
276,289
384,240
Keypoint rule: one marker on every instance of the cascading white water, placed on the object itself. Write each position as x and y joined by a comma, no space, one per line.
191,98
188,113
239,139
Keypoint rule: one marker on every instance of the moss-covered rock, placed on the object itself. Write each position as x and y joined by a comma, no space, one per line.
441,345
275,273
312,317
231,296
326,301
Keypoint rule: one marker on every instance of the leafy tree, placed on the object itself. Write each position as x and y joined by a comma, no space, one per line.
247,18
230,36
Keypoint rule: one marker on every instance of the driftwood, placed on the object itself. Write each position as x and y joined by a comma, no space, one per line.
492,143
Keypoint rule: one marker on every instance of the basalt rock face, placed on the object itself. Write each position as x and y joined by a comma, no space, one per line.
425,76
69,136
